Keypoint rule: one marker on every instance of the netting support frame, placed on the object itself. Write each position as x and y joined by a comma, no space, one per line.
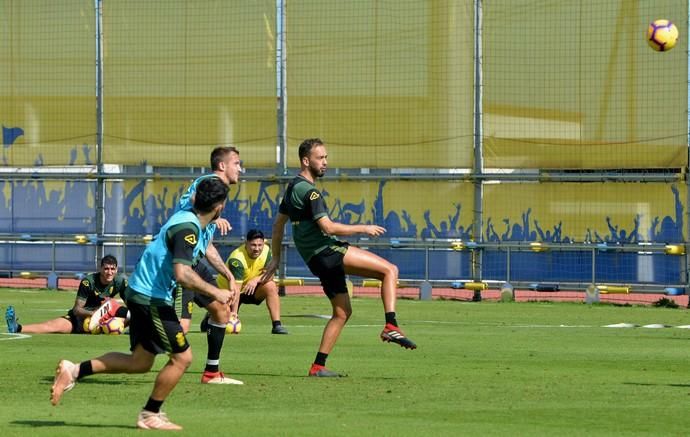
478,141
687,180
100,180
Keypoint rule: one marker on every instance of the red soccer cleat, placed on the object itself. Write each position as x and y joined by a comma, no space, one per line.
393,334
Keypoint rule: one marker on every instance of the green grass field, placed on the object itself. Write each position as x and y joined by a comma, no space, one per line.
480,369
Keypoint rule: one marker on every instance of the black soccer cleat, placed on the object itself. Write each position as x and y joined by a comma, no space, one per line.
280,330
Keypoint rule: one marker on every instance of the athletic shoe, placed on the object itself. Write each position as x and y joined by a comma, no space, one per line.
203,327
151,420
321,372
218,378
11,318
110,308
394,334
65,377
279,330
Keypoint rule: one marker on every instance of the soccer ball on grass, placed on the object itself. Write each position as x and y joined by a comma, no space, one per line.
234,326
95,331
662,35
114,326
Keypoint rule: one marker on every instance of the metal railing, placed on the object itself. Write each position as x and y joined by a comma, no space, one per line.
643,267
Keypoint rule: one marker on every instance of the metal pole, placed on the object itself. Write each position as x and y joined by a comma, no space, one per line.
281,65
478,146
508,266
124,257
100,183
686,278
281,148
426,264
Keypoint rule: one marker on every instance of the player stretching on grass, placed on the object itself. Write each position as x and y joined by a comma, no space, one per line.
226,166
93,290
328,258
154,327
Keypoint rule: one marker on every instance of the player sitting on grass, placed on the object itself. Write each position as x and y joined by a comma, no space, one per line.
93,291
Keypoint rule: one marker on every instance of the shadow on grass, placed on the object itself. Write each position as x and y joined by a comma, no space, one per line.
60,423
296,376
95,380
649,384
235,374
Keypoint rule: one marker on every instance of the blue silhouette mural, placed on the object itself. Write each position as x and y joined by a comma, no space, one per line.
141,207
9,136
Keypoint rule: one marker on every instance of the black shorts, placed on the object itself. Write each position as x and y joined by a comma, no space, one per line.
328,266
77,323
250,299
190,297
156,328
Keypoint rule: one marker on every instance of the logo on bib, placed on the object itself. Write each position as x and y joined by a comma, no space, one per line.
191,239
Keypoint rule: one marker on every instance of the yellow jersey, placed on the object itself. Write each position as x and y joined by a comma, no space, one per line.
243,267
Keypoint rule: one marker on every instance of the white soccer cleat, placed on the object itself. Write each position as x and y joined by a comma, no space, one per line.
104,313
65,377
151,420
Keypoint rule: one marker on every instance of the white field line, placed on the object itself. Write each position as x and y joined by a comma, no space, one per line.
8,336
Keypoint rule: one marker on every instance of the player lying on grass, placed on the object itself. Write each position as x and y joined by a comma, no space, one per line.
94,290
154,326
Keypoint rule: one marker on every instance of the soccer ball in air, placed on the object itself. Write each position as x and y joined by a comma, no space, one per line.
662,35
234,326
114,326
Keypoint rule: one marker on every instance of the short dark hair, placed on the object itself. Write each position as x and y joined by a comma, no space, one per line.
109,260
253,234
307,145
219,153
209,193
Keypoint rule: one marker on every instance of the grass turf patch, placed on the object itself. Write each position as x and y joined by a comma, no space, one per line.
481,369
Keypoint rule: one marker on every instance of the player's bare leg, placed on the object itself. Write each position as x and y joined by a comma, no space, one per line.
171,374
342,310
219,312
139,361
366,264
167,379
54,326
185,323
361,262
67,372
269,292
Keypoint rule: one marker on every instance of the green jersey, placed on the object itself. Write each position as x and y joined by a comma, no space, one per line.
304,205
93,293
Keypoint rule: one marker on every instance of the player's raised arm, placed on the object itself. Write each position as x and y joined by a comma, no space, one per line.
217,263
336,228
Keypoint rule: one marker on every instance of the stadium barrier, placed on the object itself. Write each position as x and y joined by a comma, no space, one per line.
435,263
